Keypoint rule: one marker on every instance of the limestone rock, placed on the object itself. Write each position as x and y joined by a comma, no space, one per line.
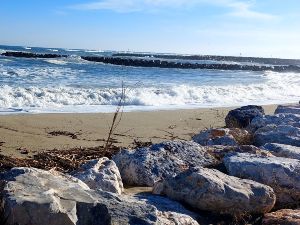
35,197
282,134
102,174
169,212
279,119
281,150
219,151
211,190
145,166
282,217
223,136
242,117
294,109
282,174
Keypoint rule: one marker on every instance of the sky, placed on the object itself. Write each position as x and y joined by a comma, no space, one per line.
267,28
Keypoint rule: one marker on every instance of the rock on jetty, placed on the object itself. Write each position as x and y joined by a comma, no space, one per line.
31,55
223,136
242,117
282,174
125,61
211,190
102,174
145,166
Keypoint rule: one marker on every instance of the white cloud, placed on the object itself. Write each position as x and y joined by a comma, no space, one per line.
237,8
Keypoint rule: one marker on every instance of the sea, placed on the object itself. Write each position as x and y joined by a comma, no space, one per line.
73,85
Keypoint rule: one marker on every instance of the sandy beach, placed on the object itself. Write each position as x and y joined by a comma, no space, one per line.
39,132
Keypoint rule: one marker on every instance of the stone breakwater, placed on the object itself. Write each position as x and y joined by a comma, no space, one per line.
164,62
32,55
246,173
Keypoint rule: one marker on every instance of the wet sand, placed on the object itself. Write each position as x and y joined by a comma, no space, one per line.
39,132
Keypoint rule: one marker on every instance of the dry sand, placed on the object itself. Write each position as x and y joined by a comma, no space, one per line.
32,132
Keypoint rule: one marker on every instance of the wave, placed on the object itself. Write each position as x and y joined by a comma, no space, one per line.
94,51
72,50
279,88
56,61
52,50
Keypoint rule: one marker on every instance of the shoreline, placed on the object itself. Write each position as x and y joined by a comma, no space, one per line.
39,132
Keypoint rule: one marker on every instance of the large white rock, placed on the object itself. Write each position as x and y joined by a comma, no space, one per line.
223,136
211,190
282,174
169,212
281,150
36,197
282,134
294,109
145,166
102,174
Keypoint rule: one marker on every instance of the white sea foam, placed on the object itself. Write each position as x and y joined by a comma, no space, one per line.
94,51
72,50
278,88
57,61
52,50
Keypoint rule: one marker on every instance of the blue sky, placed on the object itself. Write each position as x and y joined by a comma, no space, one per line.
222,27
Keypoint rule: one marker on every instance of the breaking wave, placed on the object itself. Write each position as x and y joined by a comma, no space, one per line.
278,89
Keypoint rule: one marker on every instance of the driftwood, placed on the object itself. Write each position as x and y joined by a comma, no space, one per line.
62,160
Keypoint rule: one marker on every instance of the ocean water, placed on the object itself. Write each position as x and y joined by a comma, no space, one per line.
74,85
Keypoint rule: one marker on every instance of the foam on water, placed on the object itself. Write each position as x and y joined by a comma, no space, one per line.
278,89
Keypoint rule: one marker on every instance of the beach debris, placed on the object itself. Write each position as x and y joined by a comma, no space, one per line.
212,190
242,117
282,217
292,108
223,136
101,174
281,150
141,144
23,151
63,133
34,196
282,174
145,166
281,134
62,160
